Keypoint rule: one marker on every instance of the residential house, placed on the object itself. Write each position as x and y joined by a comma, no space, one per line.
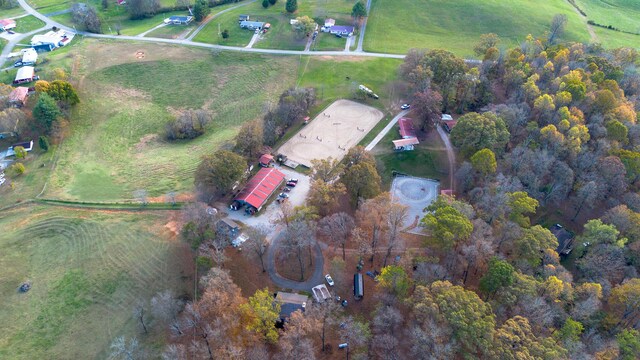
290,303
342,30
228,227
328,23
251,25
29,57
405,144
51,40
242,18
7,24
179,20
406,128
18,97
28,146
565,240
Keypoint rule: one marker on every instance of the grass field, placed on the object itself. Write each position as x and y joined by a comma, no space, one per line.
28,23
11,12
615,39
428,160
3,42
622,14
397,26
87,269
116,144
171,32
328,42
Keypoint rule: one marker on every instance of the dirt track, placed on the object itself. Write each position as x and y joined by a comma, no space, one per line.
332,133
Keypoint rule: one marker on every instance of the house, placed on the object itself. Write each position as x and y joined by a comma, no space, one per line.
242,18
565,239
228,227
405,144
51,40
321,293
260,188
178,20
251,25
329,23
406,128
266,160
25,74
290,303
29,57
7,24
28,146
341,30
18,97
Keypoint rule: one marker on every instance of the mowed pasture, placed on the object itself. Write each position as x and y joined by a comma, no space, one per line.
397,26
87,270
622,14
332,133
116,143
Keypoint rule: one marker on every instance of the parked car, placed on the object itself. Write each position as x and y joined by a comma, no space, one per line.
372,275
286,189
292,184
11,32
17,63
405,107
293,180
329,280
283,195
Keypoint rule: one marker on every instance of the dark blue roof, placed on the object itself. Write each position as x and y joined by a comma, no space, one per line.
342,28
179,18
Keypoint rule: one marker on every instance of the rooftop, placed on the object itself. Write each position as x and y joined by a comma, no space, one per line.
260,187
405,142
19,94
406,128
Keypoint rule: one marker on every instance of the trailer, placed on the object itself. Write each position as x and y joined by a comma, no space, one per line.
358,286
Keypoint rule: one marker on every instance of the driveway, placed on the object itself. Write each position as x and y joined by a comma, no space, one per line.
386,129
451,155
364,27
254,39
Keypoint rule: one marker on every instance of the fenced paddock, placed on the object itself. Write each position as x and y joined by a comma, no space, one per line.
416,193
332,133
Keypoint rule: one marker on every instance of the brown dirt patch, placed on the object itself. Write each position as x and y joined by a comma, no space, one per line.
145,140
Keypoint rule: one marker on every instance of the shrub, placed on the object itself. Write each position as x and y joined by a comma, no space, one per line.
20,152
291,6
204,263
188,125
17,169
44,143
273,2
265,3
225,34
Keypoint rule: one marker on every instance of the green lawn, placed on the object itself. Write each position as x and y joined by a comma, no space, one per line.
28,23
11,12
171,32
30,184
87,270
428,160
397,26
3,42
327,42
49,6
117,144
614,39
622,14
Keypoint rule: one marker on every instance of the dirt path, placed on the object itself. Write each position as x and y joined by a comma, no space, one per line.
450,155
592,33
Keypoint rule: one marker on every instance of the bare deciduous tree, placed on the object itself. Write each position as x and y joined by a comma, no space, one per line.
257,243
396,218
141,196
140,313
337,228
294,343
121,349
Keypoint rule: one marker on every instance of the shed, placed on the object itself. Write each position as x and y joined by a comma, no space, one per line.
243,17
260,188
329,22
251,25
358,286
266,160
448,125
7,24
25,74
405,144
406,128
290,302
29,57
18,97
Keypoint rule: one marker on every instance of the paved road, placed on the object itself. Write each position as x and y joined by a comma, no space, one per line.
450,155
386,129
204,23
364,28
316,278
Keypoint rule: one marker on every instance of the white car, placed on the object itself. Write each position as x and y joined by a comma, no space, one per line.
405,107
329,280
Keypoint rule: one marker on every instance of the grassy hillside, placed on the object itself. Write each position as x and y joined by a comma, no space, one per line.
622,14
87,269
116,144
396,26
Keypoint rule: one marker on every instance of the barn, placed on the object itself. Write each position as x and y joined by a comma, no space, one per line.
260,188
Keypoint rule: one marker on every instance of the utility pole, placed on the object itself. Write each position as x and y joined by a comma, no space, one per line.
219,33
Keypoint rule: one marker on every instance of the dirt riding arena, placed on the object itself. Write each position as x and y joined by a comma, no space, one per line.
416,193
332,133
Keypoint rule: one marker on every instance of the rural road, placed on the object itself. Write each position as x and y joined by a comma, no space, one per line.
364,28
386,129
451,156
